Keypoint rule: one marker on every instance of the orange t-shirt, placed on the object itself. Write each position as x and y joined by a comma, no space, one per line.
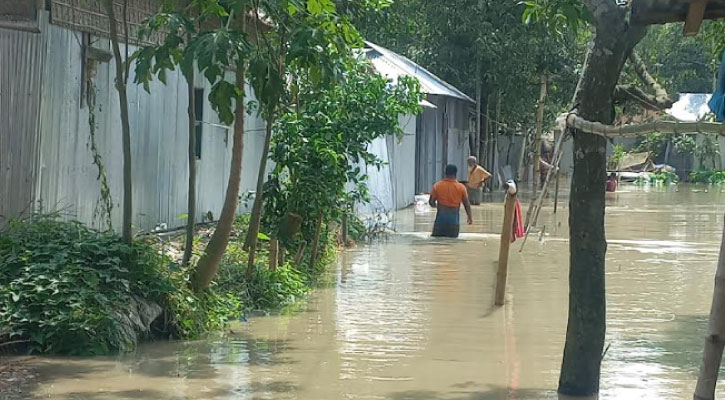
449,193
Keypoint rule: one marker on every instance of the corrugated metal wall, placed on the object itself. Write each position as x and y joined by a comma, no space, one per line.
401,152
158,138
21,59
45,155
429,143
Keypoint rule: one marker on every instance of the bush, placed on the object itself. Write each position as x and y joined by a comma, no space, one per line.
267,289
703,175
66,288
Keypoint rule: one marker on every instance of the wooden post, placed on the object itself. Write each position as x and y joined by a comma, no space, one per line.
715,340
539,133
503,252
273,254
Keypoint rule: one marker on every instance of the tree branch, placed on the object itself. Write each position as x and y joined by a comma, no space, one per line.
641,69
646,100
635,130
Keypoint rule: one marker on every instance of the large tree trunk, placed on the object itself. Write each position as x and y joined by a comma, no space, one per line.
586,327
209,261
256,218
125,126
191,202
715,340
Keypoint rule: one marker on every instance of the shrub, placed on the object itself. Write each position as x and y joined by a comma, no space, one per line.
703,175
66,288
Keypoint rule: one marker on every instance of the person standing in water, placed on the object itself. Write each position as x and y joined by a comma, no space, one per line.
612,183
447,196
477,175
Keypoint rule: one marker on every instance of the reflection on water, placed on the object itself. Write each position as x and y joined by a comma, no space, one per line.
412,318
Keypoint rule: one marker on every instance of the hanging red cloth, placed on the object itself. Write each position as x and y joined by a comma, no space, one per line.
518,228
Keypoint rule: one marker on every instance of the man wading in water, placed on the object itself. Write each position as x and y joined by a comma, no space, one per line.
447,195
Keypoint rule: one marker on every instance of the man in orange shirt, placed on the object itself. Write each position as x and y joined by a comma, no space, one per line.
447,195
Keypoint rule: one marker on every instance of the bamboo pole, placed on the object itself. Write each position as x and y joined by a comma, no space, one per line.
715,340
535,206
503,252
539,132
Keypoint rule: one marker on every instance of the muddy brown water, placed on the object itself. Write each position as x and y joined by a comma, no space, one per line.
411,318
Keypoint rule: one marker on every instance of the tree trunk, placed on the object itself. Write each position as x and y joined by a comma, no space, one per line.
300,253
715,340
250,244
273,254
539,131
316,244
586,326
209,261
484,149
477,150
125,125
522,157
191,202
344,228
495,181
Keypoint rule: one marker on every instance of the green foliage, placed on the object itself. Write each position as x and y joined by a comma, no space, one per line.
558,16
307,35
320,144
653,144
684,144
708,176
267,289
64,287
465,41
679,63
617,155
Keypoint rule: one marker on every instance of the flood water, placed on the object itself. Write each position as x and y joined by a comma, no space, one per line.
412,318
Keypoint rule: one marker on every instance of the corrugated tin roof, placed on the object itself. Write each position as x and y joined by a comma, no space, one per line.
392,65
